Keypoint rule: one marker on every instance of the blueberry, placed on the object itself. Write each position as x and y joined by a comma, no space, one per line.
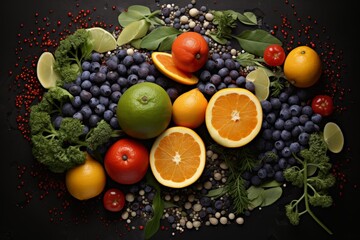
295,132
275,103
111,64
68,110
95,57
57,122
99,109
133,69
219,63
205,201
205,76
291,161
85,75
85,95
215,56
255,180
283,97
226,56
307,110
279,176
276,135
265,125
293,100
269,170
105,90
218,204
112,76
222,85
128,61
230,64
288,125
285,113
303,138
262,173
138,57
316,118
240,81
86,111
76,102
99,77
271,118
103,69
294,147
114,123
150,78
143,72
215,79
295,120
267,134
104,100
303,118
95,90
223,72
250,86
115,96
266,106
122,81
295,110
108,114
285,135
285,152
94,66
279,145
86,85
121,54
210,88
85,66
309,127
93,102
74,90
279,124
173,93
282,163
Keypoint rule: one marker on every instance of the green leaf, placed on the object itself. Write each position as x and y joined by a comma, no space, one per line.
247,18
220,40
134,30
255,41
254,192
216,192
270,196
270,184
133,13
140,9
136,43
166,44
156,36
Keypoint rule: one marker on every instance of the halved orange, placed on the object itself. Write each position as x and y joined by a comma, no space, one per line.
164,63
233,117
177,157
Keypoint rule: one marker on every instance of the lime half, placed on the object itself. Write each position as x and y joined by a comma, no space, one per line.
261,82
103,40
333,137
45,70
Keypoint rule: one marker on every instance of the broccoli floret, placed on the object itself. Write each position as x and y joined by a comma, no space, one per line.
69,55
63,148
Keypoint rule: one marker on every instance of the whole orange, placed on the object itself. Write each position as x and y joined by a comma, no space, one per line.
189,51
189,109
126,161
87,180
302,67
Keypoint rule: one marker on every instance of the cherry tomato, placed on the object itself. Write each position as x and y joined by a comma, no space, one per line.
274,55
114,200
323,105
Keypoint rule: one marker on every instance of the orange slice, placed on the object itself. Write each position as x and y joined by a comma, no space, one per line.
233,117
164,63
177,157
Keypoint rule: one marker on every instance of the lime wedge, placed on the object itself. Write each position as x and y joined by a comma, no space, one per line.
261,82
45,70
103,40
333,137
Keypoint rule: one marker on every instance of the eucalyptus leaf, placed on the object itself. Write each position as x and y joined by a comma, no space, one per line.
256,202
270,184
153,225
247,18
254,192
168,204
134,30
220,40
156,36
271,195
217,192
255,41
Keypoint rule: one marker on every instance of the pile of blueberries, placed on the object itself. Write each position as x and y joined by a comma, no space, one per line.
103,80
287,124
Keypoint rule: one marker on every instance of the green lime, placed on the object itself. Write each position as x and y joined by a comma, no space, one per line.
103,40
45,71
144,110
333,137
261,82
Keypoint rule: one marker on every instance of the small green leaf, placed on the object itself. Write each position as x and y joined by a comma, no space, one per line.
255,41
218,39
166,44
216,192
256,202
134,30
247,18
136,43
271,195
156,36
254,192
133,13
270,184
140,9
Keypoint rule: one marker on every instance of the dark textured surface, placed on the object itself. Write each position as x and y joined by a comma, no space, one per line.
32,220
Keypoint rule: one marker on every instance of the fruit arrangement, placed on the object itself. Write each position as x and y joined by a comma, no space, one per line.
135,107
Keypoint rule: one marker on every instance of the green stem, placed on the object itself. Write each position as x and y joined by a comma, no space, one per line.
307,206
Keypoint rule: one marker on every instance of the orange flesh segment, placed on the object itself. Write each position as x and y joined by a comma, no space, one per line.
234,116
175,162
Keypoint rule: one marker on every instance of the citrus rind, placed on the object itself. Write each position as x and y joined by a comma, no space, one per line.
261,82
333,137
164,63
103,41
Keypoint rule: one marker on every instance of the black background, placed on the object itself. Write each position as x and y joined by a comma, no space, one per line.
32,220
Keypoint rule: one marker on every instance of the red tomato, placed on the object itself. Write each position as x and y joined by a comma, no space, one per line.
274,55
323,105
189,51
126,161
114,200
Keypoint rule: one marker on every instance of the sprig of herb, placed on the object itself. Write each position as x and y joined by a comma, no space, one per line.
315,185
